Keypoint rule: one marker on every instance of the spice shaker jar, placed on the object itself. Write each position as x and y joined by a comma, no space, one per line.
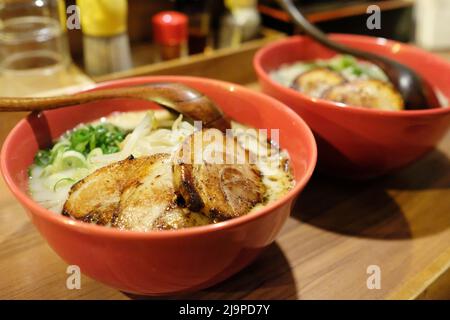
170,34
106,44
240,24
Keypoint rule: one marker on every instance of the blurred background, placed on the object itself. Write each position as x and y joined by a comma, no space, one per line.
44,37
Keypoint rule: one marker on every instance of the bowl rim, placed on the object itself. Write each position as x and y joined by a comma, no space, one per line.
330,105
86,228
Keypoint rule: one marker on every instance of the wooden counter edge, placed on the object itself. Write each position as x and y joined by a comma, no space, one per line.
432,282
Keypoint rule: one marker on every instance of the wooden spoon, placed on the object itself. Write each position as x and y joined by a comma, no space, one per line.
172,96
417,93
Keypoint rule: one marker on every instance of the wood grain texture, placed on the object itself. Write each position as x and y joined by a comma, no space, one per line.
337,229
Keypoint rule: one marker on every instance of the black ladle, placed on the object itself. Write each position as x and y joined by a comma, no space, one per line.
416,91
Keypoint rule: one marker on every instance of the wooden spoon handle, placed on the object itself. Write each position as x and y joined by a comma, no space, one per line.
173,96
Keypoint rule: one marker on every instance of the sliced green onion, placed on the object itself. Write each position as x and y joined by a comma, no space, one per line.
61,183
73,159
42,158
83,140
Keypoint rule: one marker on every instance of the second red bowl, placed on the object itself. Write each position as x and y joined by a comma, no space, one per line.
357,142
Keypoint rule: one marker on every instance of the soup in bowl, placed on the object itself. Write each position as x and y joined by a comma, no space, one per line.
154,255
359,134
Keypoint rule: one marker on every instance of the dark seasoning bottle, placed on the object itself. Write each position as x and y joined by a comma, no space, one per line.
199,13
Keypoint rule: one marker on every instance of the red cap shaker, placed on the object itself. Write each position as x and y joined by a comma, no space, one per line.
170,33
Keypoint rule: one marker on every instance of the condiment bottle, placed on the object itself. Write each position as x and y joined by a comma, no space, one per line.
199,15
105,39
170,34
241,23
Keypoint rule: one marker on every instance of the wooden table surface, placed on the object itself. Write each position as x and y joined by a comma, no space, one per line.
337,229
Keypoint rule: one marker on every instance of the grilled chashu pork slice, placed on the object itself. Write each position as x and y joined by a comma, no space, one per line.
317,81
213,174
96,197
151,203
134,194
374,94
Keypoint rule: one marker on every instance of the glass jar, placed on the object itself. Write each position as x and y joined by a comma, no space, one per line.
33,37
33,42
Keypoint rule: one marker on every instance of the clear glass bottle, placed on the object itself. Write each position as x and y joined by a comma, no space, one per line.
241,23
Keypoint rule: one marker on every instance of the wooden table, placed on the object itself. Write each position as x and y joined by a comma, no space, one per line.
337,229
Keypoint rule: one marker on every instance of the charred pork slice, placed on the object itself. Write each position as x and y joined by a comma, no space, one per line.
179,219
374,94
133,194
316,81
213,175
96,198
151,203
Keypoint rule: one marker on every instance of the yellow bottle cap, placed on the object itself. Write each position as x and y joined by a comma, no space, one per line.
62,14
103,18
235,4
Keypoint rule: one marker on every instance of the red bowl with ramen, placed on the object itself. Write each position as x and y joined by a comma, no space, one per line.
169,261
355,142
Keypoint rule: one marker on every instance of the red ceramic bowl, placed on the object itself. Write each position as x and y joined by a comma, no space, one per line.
356,142
164,262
